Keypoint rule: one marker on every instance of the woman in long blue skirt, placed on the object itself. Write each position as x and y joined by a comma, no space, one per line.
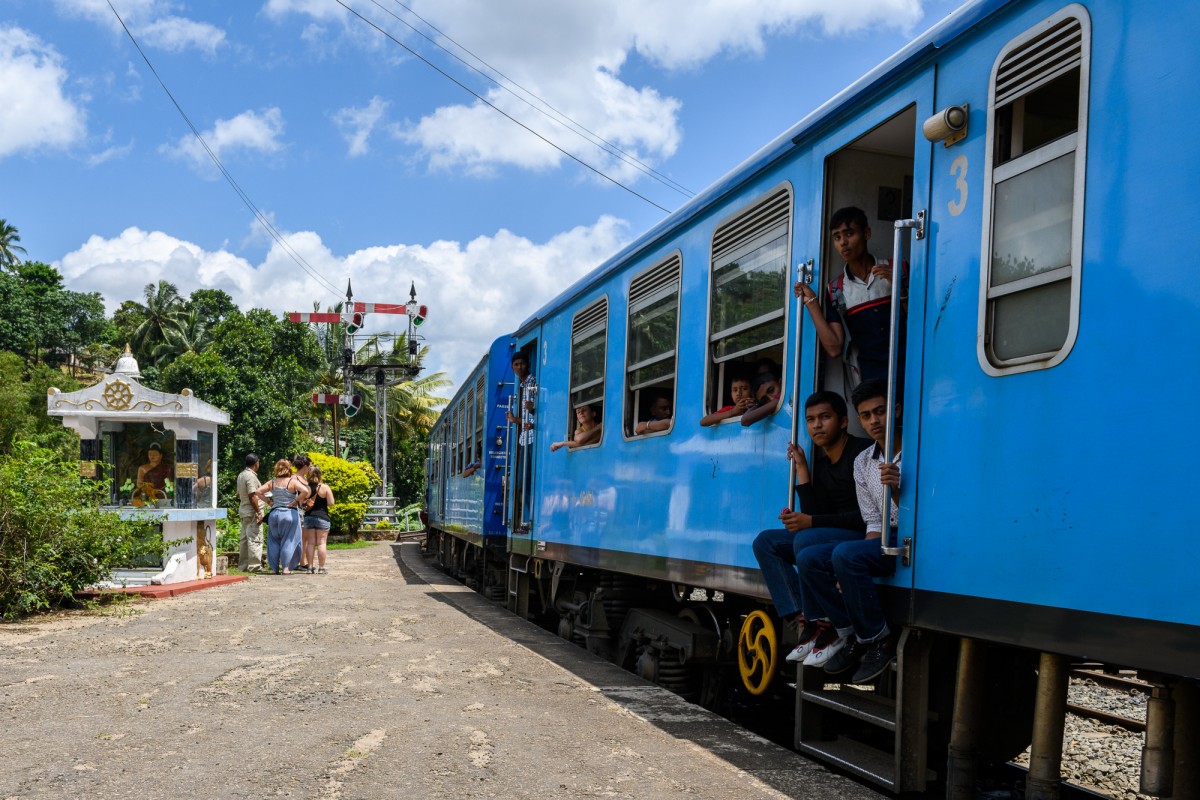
285,492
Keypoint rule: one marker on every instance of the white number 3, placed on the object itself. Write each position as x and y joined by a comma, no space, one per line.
959,168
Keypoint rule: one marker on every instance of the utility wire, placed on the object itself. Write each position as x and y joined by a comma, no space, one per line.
558,116
258,215
499,110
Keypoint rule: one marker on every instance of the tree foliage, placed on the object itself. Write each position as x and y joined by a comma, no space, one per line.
54,538
23,414
8,245
258,369
351,483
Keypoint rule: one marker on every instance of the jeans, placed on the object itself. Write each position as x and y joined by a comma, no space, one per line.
778,551
283,539
854,565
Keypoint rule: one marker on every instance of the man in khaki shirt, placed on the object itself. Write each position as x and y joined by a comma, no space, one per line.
250,513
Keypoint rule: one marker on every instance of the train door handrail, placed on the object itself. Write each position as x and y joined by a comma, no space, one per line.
901,225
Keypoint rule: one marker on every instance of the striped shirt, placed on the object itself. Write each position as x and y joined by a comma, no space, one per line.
870,489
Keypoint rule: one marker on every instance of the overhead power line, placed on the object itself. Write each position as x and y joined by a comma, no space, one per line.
499,110
245,198
558,116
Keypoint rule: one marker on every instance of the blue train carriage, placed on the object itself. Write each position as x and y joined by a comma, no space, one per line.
1021,145
466,476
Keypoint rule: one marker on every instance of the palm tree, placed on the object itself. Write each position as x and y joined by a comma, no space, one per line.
162,312
8,245
189,335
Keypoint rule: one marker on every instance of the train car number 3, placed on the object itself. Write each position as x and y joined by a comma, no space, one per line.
959,168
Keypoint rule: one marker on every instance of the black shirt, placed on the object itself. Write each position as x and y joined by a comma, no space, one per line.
831,498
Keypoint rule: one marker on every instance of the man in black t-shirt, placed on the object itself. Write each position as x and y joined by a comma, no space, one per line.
828,512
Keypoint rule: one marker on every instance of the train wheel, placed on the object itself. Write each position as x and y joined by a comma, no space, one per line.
757,650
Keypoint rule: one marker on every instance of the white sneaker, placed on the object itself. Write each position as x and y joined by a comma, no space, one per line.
819,656
801,651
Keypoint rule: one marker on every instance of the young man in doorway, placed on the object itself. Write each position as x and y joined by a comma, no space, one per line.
859,299
523,397
863,641
828,513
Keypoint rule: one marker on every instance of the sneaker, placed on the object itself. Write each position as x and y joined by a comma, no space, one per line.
808,640
820,656
878,657
847,657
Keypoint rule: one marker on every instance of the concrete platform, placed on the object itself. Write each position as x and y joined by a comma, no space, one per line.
780,768
380,679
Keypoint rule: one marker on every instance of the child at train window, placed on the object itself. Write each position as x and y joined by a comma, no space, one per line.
741,397
859,301
766,398
660,416
587,428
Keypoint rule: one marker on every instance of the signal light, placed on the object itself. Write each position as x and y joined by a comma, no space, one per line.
354,321
353,403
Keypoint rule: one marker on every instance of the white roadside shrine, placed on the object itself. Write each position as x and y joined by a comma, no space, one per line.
160,452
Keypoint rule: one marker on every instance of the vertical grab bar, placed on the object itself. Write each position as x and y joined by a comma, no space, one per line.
803,274
510,462
885,535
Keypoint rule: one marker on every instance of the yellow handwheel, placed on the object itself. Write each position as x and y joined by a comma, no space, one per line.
757,646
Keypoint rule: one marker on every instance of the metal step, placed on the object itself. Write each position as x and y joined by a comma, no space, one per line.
879,711
856,758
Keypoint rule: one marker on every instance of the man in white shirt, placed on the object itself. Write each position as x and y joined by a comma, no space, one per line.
863,640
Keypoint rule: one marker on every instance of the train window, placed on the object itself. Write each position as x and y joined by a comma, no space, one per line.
652,339
455,439
748,301
480,415
589,345
1037,123
469,429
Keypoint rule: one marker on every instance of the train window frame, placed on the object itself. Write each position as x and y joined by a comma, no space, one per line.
480,419
585,323
657,284
469,428
750,239
1032,61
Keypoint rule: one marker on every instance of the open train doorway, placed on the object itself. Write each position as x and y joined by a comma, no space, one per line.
873,173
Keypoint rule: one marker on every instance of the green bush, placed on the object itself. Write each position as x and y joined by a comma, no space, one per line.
383,525
229,531
54,538
352,483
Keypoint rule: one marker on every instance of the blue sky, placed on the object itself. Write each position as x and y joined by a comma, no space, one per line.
369,163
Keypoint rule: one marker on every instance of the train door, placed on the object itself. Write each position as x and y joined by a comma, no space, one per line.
879,164
522,437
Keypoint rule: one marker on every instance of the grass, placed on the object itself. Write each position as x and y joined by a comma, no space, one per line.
349,545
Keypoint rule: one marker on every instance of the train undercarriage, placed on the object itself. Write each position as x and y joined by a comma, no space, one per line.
949,717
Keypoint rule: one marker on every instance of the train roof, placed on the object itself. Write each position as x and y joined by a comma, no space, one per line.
958,23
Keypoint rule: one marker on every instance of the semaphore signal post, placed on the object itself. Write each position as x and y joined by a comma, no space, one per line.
353,317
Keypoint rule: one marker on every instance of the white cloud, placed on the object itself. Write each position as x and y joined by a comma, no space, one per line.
150,21
317,9
37,113
475,291
247,132
176,34
108,154
572,57
357,124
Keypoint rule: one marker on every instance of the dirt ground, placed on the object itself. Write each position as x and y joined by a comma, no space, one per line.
376,680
